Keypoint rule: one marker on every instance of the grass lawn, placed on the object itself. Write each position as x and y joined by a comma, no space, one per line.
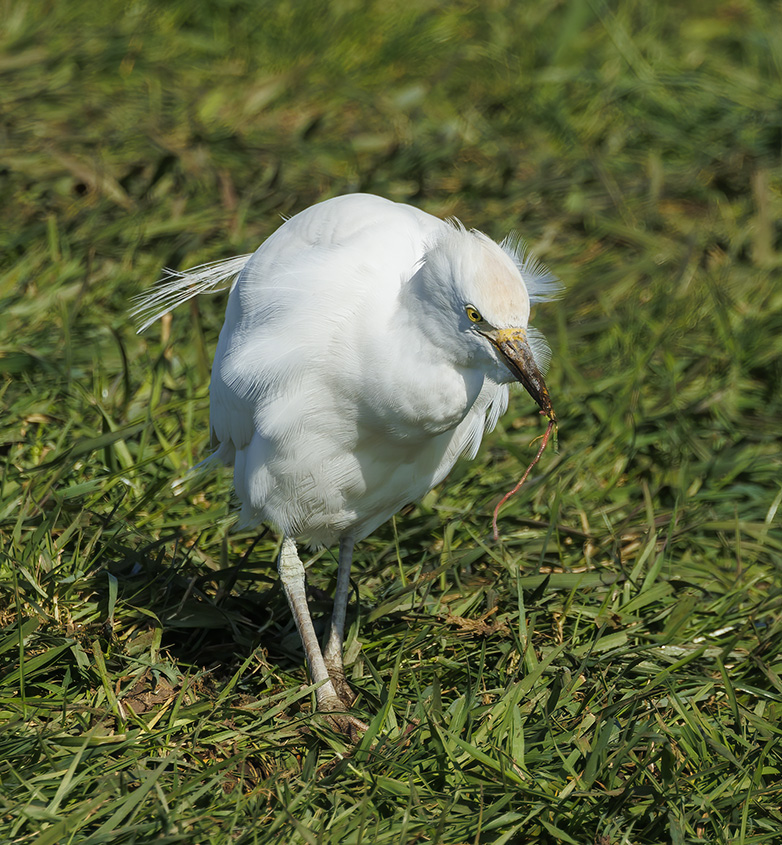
611,672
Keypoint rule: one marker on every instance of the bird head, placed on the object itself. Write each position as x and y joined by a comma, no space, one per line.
483,304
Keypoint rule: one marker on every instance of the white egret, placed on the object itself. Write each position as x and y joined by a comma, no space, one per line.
366,346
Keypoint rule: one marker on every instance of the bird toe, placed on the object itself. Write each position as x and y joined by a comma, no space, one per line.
349,726
333,709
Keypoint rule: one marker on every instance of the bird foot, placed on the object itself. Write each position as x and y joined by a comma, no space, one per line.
349,726
333,709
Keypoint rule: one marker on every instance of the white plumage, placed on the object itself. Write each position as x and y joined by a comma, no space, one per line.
366,346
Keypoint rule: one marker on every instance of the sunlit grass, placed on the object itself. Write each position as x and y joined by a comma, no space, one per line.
610,672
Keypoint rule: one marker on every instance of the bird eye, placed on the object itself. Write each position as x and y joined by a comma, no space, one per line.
473,314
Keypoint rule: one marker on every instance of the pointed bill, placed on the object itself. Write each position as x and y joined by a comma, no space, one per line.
515,350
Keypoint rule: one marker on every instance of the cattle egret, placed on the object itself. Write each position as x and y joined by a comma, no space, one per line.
366,346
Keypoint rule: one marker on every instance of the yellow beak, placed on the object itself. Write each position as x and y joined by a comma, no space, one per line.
515,350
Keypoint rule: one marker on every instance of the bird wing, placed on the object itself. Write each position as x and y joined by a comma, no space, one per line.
293,307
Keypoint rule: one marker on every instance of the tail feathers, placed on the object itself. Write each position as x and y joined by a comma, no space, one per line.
178,286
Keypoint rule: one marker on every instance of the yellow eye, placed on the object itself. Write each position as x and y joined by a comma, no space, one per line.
473,314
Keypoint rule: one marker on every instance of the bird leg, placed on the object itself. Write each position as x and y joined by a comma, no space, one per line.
332,652
291,571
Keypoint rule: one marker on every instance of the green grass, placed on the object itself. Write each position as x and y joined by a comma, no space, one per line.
610,673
